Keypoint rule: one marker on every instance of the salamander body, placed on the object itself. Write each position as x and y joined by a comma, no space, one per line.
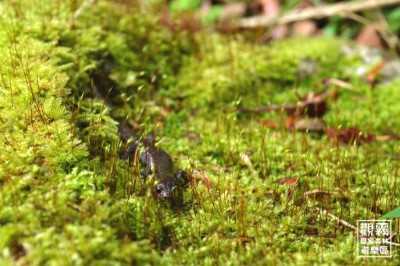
155,161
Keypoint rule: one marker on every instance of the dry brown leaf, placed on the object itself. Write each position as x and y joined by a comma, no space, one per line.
288,181
304,28
374,72
369,36
269,124
351,135
290,121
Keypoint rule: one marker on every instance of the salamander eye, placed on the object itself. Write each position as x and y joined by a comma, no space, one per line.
159,188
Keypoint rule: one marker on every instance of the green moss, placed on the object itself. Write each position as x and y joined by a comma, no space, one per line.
375,108
229,69
67,199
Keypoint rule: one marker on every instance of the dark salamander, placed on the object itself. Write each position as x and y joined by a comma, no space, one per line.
155,161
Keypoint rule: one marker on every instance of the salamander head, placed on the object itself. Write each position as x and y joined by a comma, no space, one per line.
165,188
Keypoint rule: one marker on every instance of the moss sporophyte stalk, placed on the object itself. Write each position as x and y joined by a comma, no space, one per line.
256,191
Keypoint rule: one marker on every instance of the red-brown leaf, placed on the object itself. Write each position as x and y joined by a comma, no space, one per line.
304,28
290,123
374,72
369,37
269,124
288,181
351,135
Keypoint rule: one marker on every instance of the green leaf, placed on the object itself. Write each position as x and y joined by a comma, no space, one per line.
184,5
393,19
213,14
392,214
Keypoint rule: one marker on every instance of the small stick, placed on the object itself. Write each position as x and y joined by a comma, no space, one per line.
268,108
247,161
343,222
315,13
387,240
391,243
82,8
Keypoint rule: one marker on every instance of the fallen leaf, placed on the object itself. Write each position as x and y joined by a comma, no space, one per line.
288,181
374,72
352,135
304,28
369,37
269,124
290,121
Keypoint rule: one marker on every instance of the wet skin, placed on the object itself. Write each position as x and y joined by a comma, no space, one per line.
155,161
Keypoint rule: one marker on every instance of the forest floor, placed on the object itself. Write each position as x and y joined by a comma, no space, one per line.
281,187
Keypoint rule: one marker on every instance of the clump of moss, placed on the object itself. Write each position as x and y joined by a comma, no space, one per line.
55,204
229,69
67,198
123,58
375,108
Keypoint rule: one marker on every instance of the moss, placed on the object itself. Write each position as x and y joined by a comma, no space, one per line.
375,108
229,69
67,198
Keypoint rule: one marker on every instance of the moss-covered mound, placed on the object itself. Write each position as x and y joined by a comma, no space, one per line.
67,78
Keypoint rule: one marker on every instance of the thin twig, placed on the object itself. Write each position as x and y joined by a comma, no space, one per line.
247,161
343,222
387,240
391,243
82,8
393,235
316,13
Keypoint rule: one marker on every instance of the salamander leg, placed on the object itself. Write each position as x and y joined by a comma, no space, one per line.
182,177
144,174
